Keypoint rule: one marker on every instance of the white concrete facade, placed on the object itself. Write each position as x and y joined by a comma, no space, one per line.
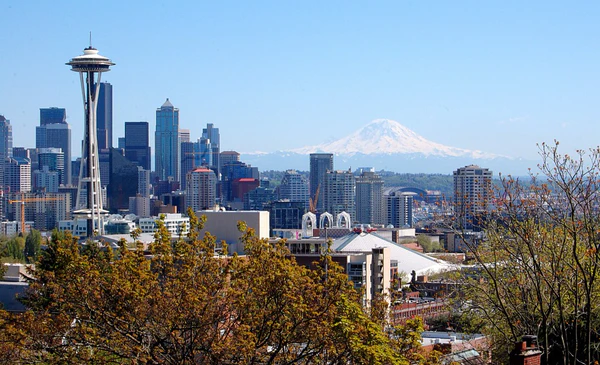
223,225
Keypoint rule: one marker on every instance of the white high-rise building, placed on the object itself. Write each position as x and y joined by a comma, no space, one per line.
339,193
472,195
369,198
201,188
294,187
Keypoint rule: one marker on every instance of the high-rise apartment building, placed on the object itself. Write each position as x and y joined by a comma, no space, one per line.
6,147
193,155
53,115
339,193
18,174
294,188
137,143
212,134
369,198
104,116
167,159
45,180
201,189
472,195
399,209
320,164
56,135
143,182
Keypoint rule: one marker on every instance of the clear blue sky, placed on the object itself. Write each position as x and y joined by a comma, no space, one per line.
497,76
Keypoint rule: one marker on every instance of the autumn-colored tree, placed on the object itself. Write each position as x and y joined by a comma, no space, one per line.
189,303
540,264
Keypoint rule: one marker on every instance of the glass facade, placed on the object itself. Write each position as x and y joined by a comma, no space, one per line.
167,142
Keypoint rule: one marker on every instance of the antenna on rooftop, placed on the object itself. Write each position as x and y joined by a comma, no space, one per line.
90,39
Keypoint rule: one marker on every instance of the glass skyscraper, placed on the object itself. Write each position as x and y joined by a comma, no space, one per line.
214,138
137,144
57,135
166,141
53,115
320,163
5,147
104,116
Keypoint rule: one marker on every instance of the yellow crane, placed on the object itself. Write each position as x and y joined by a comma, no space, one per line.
24,200
312,202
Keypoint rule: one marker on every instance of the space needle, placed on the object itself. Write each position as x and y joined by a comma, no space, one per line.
89,205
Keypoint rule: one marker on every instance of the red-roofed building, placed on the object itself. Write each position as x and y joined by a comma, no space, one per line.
243,185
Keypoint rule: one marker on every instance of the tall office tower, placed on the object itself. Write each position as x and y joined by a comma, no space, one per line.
201,189
472,195
143,182
137,143
228,156
294,187
104,125
339,193
234,171
56,135
54,159
320,163
184,135
124,176
53,115
90,206
193,155
6,147
166,139
21,152
399,209
212,134
369,198
18,174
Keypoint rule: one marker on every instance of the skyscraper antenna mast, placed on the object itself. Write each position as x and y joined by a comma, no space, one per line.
90,39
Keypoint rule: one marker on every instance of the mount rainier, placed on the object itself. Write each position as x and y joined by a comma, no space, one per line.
388,145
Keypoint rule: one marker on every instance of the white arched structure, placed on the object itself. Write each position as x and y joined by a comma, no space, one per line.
326,216
344,218
308,220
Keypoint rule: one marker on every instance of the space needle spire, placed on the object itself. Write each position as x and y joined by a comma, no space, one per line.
89,206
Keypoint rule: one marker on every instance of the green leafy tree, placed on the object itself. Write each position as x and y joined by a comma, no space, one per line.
15,247
33,243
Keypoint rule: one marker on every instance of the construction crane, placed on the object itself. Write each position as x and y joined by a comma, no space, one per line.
312,202
24,200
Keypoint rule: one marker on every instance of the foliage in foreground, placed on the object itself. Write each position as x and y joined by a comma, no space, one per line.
541,265
186,305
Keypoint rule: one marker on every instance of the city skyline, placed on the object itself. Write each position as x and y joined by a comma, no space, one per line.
518,73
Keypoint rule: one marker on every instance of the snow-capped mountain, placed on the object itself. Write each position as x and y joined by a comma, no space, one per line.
385,136
388,145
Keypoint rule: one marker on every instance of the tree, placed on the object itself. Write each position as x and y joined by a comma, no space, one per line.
190,304
14,248
540,264
33,243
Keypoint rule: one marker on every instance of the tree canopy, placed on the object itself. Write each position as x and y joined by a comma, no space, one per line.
184,303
